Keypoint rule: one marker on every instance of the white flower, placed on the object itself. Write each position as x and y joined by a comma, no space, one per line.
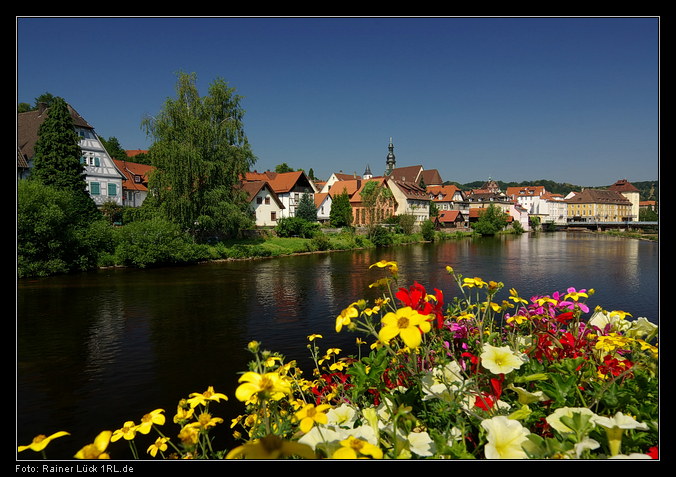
499,360
505,438
442,382
343,415
621,421
421,443
642,328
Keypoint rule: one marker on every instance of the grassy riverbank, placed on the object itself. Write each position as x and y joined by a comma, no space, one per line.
273,246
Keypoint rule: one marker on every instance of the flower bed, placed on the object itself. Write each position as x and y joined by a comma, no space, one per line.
537,378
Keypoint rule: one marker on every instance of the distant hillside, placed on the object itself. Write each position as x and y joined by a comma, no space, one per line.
563,188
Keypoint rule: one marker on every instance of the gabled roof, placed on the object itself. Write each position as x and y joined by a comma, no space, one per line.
598,196
320,197
349,186
252,188
525,191
131,170
28,126
446,216
356,196
411,190
623,185
281,182
446,191
406,174
431,177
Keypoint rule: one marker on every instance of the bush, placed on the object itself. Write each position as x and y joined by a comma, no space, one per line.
381,237
427,230
156,242
296,227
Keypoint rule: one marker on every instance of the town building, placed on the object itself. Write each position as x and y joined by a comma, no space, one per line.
104,180
288,186
264,202
135,185
598,205
624,187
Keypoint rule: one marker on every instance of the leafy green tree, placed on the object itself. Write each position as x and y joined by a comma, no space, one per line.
491,221
53,236
57,156
375,197
200,152
283,167
306,208
341,210
114,148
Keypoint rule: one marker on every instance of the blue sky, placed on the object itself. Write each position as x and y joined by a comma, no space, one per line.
566,99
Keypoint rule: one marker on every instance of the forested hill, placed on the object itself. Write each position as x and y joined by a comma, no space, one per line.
563,188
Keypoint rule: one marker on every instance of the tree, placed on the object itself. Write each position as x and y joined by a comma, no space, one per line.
341,210
306,208
114,148
491,221
283,167
200,152
57,156
376,197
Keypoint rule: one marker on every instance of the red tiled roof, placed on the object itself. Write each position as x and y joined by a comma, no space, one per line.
136,174
135,152
623,185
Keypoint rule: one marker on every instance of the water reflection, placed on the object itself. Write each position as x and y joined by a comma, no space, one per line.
98,349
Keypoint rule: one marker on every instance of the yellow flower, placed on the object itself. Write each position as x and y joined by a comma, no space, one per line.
96,450
268,385
40,442
499,360
384,263
514,296
345,317
407,323
160,445
314,337
354,448
147,421
189,435
205,421
473,282
183,412
310,414
128,431
271,447
209,395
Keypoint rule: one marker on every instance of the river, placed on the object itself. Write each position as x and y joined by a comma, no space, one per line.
97,349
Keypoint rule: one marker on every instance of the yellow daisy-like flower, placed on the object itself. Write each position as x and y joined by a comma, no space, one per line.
394,268
97,449
514,296
314,337
183,412
271,447
128,431
147,421
406,323
160,445
203,398
189,435
268,385
310,414
345,317
354,448
40,442
205,421
474,282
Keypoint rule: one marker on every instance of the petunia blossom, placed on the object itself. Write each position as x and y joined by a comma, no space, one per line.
499,360
505,438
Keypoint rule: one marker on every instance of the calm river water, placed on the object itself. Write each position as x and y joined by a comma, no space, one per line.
95,350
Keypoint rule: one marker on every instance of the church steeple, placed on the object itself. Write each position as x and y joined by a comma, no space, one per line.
390,162
367,172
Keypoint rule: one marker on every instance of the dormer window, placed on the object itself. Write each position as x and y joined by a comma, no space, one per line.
137,179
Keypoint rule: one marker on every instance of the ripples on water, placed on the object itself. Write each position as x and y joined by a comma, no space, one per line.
95,350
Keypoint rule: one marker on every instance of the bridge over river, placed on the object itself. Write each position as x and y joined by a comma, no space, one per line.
600,225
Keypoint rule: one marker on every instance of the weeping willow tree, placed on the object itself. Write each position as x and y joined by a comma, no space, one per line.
200,153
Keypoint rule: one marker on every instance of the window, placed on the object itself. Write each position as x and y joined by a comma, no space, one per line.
259,200
273,216
267,200
94,188
112,189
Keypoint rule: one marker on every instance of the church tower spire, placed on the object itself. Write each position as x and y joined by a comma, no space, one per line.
390,162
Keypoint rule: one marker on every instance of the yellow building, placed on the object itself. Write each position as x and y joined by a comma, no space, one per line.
594,205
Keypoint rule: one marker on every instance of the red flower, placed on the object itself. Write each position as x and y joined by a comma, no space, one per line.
416,298
653,452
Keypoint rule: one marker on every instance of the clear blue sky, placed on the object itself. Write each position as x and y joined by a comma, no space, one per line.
566,99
